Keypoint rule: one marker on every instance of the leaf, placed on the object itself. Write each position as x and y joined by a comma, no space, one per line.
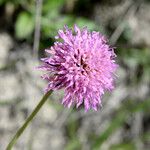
24,25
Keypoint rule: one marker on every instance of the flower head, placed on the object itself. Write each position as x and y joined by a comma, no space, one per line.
83,64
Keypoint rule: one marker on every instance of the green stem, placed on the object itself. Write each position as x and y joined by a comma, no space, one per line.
29,119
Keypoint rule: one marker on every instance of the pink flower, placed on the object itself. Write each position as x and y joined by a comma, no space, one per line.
82,63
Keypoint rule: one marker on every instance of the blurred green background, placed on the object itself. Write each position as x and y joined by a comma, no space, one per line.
27,27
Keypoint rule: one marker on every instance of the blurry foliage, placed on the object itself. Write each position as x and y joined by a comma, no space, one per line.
52,20
71,131
123,146
146,137
73,144
137,58
128,108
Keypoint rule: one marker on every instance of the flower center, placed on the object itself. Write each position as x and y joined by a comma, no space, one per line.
84,65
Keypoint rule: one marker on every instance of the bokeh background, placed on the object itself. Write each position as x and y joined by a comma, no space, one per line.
27,27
